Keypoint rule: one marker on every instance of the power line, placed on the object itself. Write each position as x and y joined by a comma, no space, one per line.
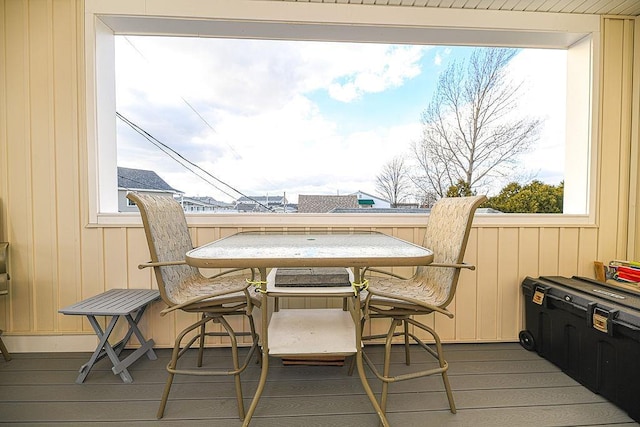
179,158
238,156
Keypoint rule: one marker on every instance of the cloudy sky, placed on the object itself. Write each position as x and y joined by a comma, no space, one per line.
276,117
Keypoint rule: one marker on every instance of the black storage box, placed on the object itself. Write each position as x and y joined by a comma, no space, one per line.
590,330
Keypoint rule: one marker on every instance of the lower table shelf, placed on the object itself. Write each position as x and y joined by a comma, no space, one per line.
312,332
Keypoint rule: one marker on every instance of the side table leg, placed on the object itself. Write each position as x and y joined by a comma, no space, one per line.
105,347
144,343
99,352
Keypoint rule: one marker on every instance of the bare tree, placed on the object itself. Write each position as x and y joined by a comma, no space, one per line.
472,132
393,182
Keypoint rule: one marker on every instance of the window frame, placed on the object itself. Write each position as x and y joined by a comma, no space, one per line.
336,22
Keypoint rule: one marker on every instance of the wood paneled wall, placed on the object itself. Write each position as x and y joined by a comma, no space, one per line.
56,259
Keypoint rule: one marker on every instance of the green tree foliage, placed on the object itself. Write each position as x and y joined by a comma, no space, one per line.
535,197
460,189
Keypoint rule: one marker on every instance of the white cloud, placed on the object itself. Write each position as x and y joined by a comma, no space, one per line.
544,72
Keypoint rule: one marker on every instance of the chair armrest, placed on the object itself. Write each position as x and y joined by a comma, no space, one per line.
170,263
463,265
160,264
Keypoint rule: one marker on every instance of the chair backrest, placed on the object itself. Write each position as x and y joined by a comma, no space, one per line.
168,238
447,234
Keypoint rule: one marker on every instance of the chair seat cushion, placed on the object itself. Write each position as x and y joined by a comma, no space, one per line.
201,286
410,289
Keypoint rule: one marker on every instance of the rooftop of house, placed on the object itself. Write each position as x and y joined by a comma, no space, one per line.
278,200
140,179
323,204
206,201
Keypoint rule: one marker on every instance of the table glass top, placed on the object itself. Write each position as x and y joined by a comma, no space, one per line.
269,249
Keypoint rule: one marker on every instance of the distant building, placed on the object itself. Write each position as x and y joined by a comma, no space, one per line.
142,181
205,204
324,204
366,200
261,204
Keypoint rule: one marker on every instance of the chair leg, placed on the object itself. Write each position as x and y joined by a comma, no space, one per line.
387,364
236,364
3,349
171,366
201,343
441,361
445,377
407,350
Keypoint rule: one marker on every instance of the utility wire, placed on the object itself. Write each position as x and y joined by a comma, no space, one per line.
238,156
182,160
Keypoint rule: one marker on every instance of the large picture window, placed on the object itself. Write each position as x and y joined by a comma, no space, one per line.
238,120
270,111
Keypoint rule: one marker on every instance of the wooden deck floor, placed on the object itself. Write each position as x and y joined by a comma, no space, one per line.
494,385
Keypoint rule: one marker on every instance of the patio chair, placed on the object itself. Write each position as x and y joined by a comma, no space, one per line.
429,290
4,290
183,287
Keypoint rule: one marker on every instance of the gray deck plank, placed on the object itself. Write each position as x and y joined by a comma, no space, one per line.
497,384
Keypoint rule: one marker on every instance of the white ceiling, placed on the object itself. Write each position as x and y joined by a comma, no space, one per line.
597,7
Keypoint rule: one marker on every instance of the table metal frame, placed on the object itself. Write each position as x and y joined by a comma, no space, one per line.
268,250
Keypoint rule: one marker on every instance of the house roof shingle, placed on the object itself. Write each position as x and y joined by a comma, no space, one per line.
323,204
139,179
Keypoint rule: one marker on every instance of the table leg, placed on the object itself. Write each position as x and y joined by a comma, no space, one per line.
265,349
359,361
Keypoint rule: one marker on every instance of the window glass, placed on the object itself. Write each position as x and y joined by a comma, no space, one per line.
254,125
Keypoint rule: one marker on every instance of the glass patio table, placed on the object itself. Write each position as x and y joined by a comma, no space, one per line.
268,250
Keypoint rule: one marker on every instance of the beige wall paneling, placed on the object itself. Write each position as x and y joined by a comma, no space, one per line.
18,197
66,133
41,83
115,267
634,243
626,101
509,280
569,241
614,152
487,282
587,251
93,267
548,256
4,302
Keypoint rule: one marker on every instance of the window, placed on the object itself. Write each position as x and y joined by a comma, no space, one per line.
576,42
202,112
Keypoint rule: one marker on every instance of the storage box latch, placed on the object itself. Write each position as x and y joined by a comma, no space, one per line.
538,294
602,319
